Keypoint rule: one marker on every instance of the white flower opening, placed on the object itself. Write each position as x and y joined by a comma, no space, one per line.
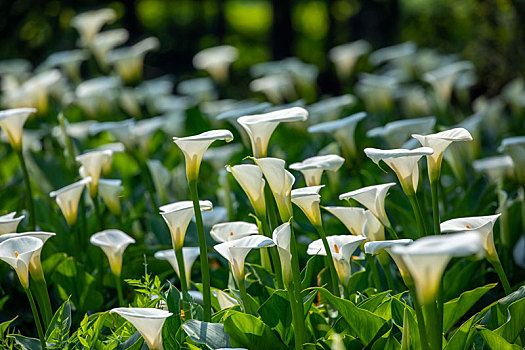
113,243
313,168
8,222
373,230
92,163
281,237
17,252
189,255
68,199
376,247
353,218
216,61
110,191
231,231
250,178
307,199
225,300
12,123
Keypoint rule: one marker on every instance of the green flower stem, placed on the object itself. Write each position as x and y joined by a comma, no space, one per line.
98,214
39,286
331,266
501,274
434,189
373,270
83,223
393,234
244,296
417,213
183,281
265,259
274,254
29,194
434,330
389,279
295,318
203,251
296,275
118,284
37,319
226,189
419,317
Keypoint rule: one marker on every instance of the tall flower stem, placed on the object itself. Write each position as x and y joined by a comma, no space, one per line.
434,331
203,250
434,189
29,194
36,318
98,214
419,317
39,286
183,280
373,270
244,296
295,318
501,274
331,266
417,213
118,284
389,280
274,254
296,272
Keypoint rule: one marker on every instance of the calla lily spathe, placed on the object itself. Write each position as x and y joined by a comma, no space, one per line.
307,199
148,321
110,191
194,147
216,60
439,143
260,127
89,23
280,181
230,231
496,167
312,168
225,300
515,148
129,61
92,163
68,198
342,247
376,247
236,251
250,178
397,132
17,252
427,258
372,198
403,162
345,56
372,228
113,243
8,223
353,218
281,237
178,216
482,224
107,40
189,254
343,130
12,123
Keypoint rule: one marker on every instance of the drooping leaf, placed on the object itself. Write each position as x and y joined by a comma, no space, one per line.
26,343
495,341
209,334
515,324
276,313
386,342
462,337
250,332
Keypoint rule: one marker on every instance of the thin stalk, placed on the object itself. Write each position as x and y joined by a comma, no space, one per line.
39,286
415,207
36,318
244,296
265,259
331,266
388,275
434,331
373,269
83,224
30,203
419,317
203,251
183,280
96,206
118,284
501,274
274,254
296,274
434,189
295,319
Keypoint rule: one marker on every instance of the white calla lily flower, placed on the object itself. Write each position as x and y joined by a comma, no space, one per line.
372,228
236,251
281,237
329,108
216,60
376,247
482,224
307,199
353,218
373,199
427,258
92,163
68,199
12,123
343,130
17,252
148,321
113,243
515,148
260,127
110,191
439,143
404,163
280,181
225,300
178,216
129,61
194,147
189,255
312,168
89,23
250,178
443,79
345,56
230,231
68,61
397,132
496,167
8,222
342,247
107,40
276,87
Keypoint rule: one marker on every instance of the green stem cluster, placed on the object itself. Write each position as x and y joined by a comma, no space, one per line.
39,286
29,193
118,285
417,214
183,280
300,327
329,258
37,319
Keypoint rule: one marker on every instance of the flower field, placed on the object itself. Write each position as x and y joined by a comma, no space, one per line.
167,213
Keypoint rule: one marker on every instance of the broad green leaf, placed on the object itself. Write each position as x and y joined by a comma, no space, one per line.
355,280
58,330
495,341
386,342
462,337
456,308
134,342
498,312
515,324
312,268
458,277
4,326
373,302
209,334
26,343
172,323
276,313
250,332
364,325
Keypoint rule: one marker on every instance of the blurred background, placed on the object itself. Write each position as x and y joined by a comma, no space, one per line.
488,33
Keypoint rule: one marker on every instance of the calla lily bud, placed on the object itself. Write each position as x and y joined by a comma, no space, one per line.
353,218
342,247
147,321
281,237
92,163
110,191
68,199
230,231
250,178
113,243
439,143
194,147
189,254
225,300
178,216
17,252
307,199
312,168
403,162
12,123
260,127
8,223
